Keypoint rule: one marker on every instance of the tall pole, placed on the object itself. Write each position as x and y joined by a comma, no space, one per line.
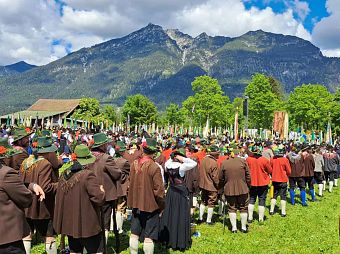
246,113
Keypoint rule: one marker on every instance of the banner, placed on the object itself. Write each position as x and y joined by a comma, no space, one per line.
281,124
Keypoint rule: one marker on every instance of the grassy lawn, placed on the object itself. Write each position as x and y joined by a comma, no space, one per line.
312,229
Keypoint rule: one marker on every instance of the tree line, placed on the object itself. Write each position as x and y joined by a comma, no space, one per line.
310,106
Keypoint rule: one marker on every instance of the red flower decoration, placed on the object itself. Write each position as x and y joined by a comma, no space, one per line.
3,150
73,157
28,130
35,144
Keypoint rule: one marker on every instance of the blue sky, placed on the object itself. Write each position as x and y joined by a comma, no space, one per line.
41,31
317,9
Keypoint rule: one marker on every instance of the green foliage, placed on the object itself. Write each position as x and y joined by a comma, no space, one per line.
109,113
237,105
173,114
208,101
140,109
335,113
277,88
262,101
87,110
310,106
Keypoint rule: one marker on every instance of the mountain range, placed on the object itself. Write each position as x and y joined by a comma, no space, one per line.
162,63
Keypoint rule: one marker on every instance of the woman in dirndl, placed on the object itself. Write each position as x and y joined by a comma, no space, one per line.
175,223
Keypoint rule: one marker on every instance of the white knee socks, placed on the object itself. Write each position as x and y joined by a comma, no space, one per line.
220,207
106,235
120,221
202,209
133,245
210,214
243,221
51,248
336,182
324,185
148,247
272,205
283,207
250,211
232,218
320,189
261,213
330,186
27,245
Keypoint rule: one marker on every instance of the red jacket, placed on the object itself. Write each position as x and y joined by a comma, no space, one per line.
260,169
221,158
281,169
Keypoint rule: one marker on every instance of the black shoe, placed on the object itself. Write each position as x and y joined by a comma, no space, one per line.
245,231
271,213
199,221
210,223
283,215
250,221
234,231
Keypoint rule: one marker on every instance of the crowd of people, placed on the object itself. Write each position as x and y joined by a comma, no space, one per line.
84,183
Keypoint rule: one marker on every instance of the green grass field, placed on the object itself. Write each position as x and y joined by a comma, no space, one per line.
312,229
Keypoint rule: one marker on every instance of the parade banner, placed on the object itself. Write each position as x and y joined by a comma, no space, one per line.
281,124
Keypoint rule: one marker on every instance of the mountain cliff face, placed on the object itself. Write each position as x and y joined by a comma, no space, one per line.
162,64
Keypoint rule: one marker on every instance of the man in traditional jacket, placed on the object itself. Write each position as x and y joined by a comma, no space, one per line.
209,178
79,196
14,198
235,180
20,145
109,175
260,169
146,198
281,172
124,166
309,165
36,169
296,177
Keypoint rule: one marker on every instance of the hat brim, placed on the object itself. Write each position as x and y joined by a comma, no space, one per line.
179,153
50,149
21,137
102,143
88,160
150,150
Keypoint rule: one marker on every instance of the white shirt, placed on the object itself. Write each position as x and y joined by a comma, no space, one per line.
185,166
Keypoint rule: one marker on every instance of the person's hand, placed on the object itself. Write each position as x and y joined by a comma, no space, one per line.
101,187
180,158
39,192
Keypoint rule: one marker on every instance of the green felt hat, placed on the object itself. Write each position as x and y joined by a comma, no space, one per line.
45,145
4,143
181,152
150,146
45,133
213,149
84,155
120,146
279,152
20,133
6,150
100,139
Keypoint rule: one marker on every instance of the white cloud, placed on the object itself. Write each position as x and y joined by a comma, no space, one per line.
230,18
326,33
